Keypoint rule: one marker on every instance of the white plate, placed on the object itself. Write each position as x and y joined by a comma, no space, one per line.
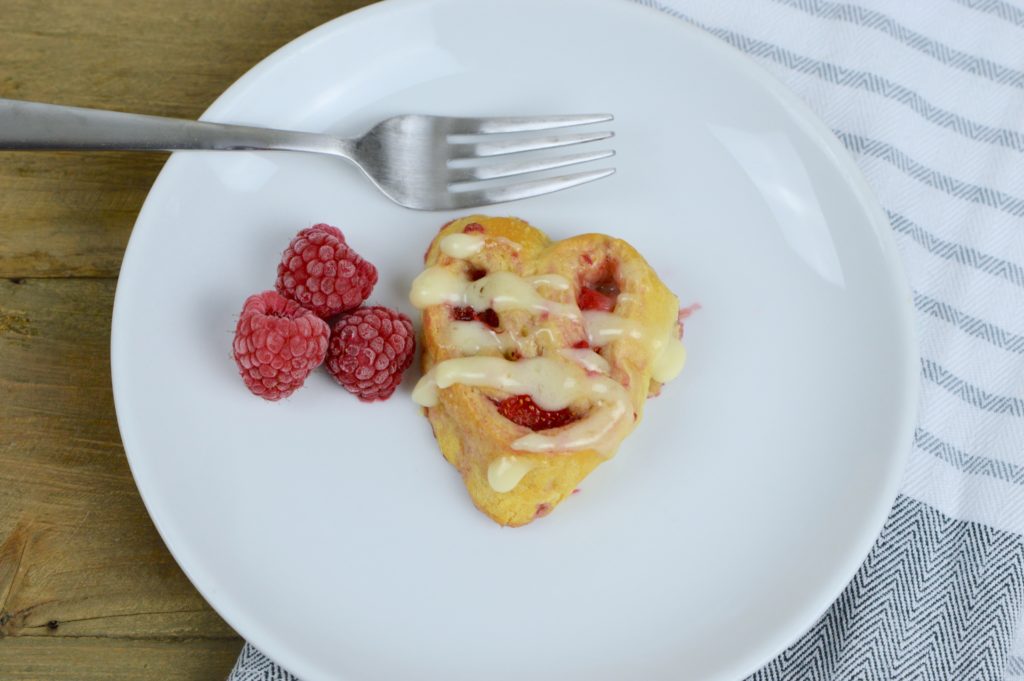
332,535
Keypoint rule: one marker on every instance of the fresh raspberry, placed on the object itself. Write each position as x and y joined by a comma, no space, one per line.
277,343
322,273
523,411
330,229
370,348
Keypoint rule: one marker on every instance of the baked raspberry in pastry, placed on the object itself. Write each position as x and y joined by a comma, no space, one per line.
538,356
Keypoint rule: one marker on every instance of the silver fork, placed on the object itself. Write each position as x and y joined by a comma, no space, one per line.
422,162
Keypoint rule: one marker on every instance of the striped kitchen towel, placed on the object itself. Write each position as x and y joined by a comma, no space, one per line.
928,96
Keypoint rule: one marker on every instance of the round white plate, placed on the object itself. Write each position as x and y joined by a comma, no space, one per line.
332,535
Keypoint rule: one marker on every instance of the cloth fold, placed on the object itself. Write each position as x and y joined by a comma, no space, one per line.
928,97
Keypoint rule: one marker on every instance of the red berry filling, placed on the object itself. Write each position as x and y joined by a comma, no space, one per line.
475,273
581,345
684,314
473,227
523,411
594,299
489,317
599,289
464,313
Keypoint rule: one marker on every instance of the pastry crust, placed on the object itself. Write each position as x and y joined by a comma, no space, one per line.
470,430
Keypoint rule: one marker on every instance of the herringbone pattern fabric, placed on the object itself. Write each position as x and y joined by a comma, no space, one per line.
936,599
252,665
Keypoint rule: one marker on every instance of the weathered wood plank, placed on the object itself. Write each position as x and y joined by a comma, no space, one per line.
67,214
78,554
103,659
87,589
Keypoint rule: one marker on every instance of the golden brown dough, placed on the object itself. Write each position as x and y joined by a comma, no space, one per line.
470,430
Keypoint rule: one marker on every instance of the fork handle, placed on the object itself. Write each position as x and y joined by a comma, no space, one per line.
33,125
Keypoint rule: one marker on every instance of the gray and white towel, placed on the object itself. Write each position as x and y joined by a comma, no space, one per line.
928,96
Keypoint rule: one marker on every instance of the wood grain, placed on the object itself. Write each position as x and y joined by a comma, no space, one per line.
85,659
87,589
79,557
67,214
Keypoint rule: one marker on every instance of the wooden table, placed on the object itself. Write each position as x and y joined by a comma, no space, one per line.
87,589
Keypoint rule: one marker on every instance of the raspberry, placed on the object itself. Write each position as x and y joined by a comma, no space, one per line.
370,348
330,229
523,411
277,343
322,273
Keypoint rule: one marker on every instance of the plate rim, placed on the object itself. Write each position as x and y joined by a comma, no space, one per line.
745,663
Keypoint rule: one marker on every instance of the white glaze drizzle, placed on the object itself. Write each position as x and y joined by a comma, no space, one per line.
588,359
462,246
499,291
470,338
552,384
667,353
506,472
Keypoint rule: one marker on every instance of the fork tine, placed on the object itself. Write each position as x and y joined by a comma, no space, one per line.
495,170
486,126
515,146
524,190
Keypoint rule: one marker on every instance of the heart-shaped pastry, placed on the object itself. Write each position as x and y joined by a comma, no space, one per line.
538,356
